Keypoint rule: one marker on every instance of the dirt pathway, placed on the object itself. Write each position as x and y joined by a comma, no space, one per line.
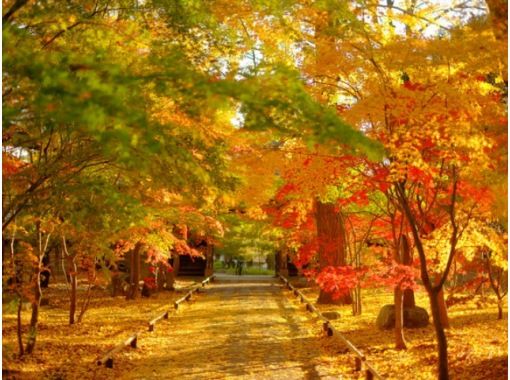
242,330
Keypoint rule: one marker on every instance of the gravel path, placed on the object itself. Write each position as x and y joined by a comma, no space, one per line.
237,330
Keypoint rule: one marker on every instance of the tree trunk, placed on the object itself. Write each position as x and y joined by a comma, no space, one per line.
72,295
161,277
500,309
356,305
331,238
401,255
85,304
209,257
409,300
440,336
282,263
134,273
443,311
32,329
400,343
18,325
407,259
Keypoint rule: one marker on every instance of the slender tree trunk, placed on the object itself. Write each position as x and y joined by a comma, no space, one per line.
331,237
17,284
440,336
443,311
407,259
18,326
32,329
85,304
72,296
356,305
134,277
401,256
400,342
496,285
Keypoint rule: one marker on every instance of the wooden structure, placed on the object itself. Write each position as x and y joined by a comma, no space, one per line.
284,265
187,265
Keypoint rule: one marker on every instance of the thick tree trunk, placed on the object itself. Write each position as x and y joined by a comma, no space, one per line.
331,238
134,273
282,263
440,336
409,300
400,343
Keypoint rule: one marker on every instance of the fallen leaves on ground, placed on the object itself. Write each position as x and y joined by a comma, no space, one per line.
477,340
66,351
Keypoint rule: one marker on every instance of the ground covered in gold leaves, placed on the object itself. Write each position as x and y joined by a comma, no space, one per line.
477,340
250,329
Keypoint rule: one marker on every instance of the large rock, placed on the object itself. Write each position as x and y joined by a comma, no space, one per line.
413,317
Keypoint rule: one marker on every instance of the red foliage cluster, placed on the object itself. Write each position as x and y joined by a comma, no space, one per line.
393,274
150,282
339,280
305,253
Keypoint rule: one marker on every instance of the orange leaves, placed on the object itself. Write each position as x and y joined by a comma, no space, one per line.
11,165
359,198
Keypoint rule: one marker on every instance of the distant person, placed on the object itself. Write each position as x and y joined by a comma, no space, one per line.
239,268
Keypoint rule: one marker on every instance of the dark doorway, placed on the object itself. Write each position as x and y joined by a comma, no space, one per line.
191,266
